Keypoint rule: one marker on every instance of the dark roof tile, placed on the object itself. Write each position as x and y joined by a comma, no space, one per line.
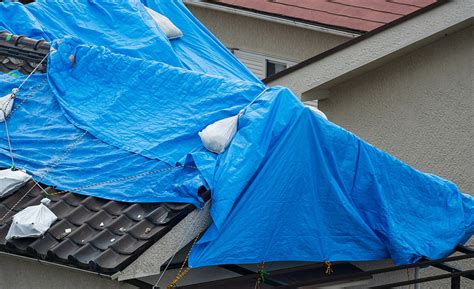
100,220
62,251
59,230
83,234
89,229
120,225
104,239
109,261
94,204
39,248
126,245
84,255
144,230
60,208
114,208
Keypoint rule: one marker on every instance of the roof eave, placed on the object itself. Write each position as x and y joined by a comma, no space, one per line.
311,78
275,18
150,262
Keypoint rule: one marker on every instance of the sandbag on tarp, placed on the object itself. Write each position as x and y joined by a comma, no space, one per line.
11,181
125,27
145,107
168,27
199,50
31,222
6,104
294,186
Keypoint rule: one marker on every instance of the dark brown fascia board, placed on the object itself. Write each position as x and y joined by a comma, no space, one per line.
352,42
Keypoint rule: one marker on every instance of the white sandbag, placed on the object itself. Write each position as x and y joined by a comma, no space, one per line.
33,221
6,104
217,136
11,181
170,30
317,111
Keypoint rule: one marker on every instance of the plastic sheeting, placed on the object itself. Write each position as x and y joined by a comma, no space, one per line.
125,27
99,94
294,186
57,153
291,185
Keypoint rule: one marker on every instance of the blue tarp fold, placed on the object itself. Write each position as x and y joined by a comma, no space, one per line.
291,186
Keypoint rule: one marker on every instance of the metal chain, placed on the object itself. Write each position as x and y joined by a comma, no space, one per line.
6,117
63,156
119,180
26,98
68,149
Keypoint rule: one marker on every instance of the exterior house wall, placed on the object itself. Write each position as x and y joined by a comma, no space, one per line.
419,108
16,273
264,37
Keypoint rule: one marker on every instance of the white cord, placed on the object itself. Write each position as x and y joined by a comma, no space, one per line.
68,149
13,96
242,111
33,71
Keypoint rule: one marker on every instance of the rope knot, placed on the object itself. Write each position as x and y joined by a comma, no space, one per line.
14,92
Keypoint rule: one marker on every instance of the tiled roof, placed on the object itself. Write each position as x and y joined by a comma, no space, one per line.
90,233
358,15
21,53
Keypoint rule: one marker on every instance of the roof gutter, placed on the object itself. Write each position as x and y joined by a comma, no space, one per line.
135,282
47,263
275,19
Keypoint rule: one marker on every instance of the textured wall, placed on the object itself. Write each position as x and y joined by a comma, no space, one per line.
23,274
268,38
420,108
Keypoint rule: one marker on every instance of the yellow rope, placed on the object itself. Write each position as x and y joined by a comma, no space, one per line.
183,271
260,280
329,269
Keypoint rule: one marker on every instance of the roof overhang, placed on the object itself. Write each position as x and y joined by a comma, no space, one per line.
271,18
312,78
151,261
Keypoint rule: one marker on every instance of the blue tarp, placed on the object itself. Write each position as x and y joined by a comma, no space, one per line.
291,186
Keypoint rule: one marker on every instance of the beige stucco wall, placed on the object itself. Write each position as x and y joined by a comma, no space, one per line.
16,273
268,38
420,108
